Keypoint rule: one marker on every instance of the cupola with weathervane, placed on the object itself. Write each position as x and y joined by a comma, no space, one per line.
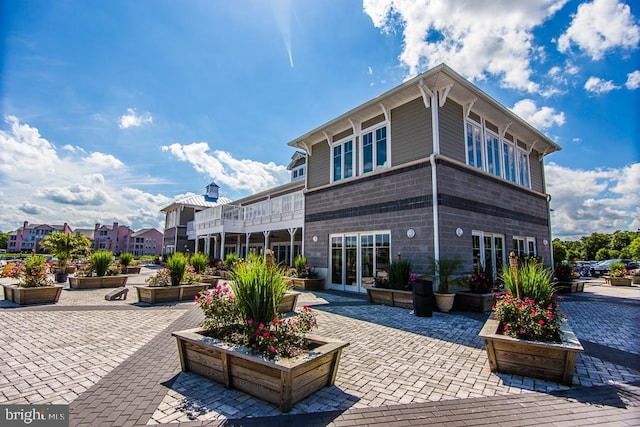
212,192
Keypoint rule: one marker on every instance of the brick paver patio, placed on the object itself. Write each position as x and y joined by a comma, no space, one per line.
116,363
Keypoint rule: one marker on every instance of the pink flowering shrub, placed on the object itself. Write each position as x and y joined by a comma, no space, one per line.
282,337
33,273
525,319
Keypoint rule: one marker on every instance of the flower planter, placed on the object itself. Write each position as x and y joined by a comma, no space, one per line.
97,282
289,301
133,270
305,284
209,279
282,382
158,294
547,361
618,281
570,287
471,301
39,295
392,297
444,302
635,280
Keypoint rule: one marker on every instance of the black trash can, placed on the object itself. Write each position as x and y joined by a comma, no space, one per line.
423,298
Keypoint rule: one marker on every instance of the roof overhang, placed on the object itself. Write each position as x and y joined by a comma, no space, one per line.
449,84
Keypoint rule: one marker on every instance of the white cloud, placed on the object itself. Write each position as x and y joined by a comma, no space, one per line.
239,175
601,26
43,184
542,118
633,80
605,201
132,119
468,35
370,71
598,86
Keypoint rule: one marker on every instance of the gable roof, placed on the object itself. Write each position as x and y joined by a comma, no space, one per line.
196,201
448,83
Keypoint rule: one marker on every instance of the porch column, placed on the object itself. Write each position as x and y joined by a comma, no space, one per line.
196,247
215,246
292,233
222,245
246,244
238,245
266,240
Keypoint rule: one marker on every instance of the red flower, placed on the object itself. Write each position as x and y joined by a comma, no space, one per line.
266,334
540,322
272,349
250,322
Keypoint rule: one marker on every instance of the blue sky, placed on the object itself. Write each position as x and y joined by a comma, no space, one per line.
110,110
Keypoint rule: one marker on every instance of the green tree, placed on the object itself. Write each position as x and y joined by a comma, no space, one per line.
559,251
621,239
634,248
4,239
606,253
595,242
64,246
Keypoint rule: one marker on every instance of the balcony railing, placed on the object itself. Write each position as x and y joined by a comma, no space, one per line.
268,214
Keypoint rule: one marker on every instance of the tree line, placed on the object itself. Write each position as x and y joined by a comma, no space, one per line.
598,247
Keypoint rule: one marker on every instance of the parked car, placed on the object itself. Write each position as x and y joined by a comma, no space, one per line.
603,267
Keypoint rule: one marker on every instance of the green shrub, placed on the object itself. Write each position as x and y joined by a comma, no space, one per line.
534,282
258,288
199,262
126,259
230,259
399,272
442,269
617,269
100,262
177,265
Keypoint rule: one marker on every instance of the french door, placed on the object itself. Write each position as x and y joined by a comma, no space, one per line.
488,252
357,258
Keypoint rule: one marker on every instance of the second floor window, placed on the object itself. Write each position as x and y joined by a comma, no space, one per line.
342,160
374,149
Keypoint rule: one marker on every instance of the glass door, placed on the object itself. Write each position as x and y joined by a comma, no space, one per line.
351,265
336,263
366,260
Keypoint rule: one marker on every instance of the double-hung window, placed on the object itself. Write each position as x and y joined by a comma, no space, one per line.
523,168
374,149
474,145
508,152
493,154
342,161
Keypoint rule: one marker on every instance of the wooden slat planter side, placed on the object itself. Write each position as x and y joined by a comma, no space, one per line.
281,382
618,281
289,301
305,284
159,294
97,282
26,296
470,301
392,297
547,361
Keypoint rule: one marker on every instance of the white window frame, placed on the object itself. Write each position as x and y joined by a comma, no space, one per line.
341,143
481,235
374,143
473,123
488,134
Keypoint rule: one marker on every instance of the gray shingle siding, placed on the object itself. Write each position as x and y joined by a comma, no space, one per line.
411,135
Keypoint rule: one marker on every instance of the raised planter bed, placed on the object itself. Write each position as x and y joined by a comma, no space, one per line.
305,284
289,301
209,279
98,282
158,294
133,270
39,295
471,301
570,287
635,280
547,361
282,382
392,297
617,281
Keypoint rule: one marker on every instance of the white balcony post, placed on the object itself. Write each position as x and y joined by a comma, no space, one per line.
292,233
222,245
266,240
246,244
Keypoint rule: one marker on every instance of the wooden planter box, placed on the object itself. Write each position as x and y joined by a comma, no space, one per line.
570,287
392,297
617,281
157,294
547,361
282,382
635,280
289,301
133,270
97,282
305,284
24,296
210,280
471,301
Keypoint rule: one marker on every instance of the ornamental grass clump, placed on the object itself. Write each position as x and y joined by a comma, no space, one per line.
244,311
177,266
399,274
199,262
100,261
529,309
126,259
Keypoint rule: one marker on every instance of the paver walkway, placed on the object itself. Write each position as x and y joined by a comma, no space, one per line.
116,363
